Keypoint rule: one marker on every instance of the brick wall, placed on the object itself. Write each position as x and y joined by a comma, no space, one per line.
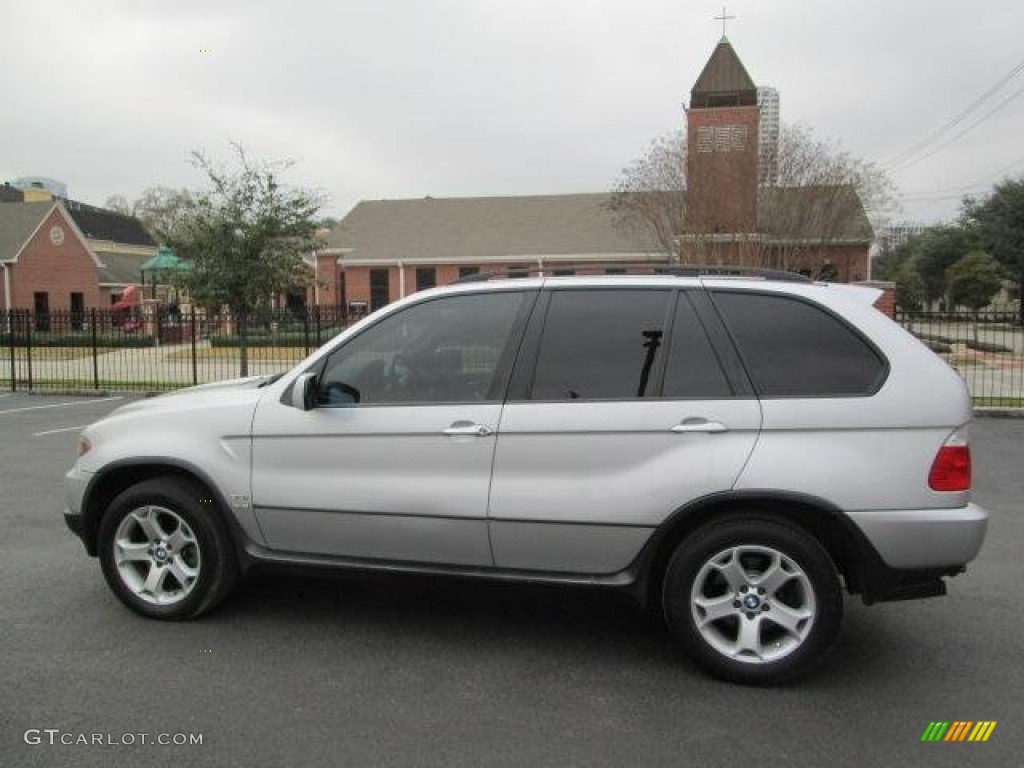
722,174
886,303
57,270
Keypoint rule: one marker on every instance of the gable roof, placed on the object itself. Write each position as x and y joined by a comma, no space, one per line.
466,228
832,214
18,222
101,224
452,230
120,268
723,81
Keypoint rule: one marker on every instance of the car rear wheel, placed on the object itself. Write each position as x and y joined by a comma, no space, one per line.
752,600
164,551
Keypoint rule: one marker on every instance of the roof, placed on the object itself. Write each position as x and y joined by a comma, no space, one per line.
17,223
120,268
9,194
723,81
454,229
820,213
101,224
166,261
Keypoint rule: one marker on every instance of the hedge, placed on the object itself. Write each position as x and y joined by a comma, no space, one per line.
77,340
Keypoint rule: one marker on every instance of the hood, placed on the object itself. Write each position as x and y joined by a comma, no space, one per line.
217,394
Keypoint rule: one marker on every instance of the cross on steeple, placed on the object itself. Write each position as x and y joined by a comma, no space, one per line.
724,18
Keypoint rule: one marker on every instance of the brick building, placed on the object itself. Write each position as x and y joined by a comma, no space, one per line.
62,254
385,249
737,215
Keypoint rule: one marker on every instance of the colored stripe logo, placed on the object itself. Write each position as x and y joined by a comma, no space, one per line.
959,730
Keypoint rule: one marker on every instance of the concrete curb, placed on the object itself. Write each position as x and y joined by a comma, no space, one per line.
999,413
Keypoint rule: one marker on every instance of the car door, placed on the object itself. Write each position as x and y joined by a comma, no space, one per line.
394,461
621,413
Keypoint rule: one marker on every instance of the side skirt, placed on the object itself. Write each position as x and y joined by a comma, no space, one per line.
290,560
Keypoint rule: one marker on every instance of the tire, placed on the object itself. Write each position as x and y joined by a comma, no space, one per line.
752,600
164,550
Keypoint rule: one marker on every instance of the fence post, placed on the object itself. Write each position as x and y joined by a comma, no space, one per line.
29,320
10,338
95,350
195,368
318,340
305,331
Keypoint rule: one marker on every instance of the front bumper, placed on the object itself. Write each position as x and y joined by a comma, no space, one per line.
76,481
924,539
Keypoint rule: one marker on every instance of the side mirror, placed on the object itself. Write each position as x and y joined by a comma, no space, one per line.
304,392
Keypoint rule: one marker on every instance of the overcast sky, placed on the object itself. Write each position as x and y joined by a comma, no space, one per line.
406,98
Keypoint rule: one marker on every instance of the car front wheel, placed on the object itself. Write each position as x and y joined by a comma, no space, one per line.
163,550
752,600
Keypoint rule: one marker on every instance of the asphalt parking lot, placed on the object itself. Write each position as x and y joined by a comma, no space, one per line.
361,671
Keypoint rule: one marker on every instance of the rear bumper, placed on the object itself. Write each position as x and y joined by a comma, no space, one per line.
924,539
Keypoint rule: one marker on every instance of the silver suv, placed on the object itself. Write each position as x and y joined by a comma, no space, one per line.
732,450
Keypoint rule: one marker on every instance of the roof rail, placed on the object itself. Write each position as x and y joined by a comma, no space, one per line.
633,268
727,270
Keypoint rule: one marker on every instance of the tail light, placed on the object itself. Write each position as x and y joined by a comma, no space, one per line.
951,470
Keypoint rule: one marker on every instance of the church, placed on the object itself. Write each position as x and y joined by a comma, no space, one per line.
734,214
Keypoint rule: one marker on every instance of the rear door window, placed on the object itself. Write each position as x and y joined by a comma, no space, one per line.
602,345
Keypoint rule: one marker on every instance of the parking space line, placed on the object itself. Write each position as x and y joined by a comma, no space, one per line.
56,431
61,405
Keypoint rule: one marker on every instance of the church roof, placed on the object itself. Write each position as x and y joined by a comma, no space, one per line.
466,228
724,81
829,214
564,227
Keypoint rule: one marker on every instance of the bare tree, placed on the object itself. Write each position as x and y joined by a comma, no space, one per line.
649,200
160,209
822,197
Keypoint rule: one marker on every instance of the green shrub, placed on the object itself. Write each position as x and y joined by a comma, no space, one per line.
77,340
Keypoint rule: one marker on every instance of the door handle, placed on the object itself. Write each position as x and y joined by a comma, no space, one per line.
467,428
699,424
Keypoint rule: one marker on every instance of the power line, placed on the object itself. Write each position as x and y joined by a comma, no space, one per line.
950,193
964,132
937,134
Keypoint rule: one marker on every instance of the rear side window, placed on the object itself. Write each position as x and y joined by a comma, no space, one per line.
796,349
601,345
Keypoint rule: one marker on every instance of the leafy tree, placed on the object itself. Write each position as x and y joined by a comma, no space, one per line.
891,260
909,287
974,280
245,237
998,222
935,251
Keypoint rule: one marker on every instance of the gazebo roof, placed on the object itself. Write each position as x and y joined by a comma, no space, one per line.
165,261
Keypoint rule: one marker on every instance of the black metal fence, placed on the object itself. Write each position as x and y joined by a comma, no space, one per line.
986,348
154,351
